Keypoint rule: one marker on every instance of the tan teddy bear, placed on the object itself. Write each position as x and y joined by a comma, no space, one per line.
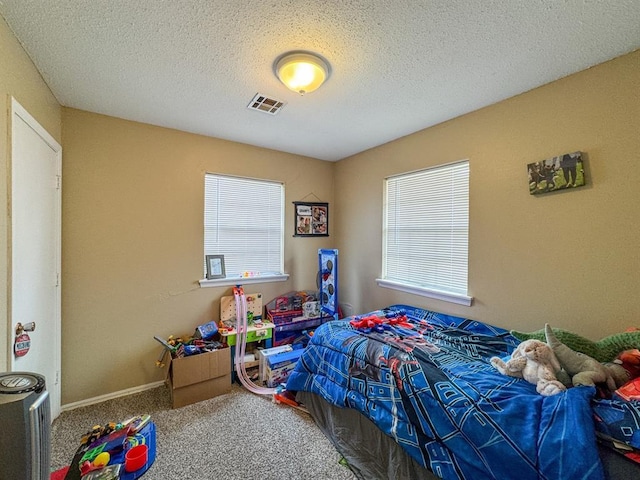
535,362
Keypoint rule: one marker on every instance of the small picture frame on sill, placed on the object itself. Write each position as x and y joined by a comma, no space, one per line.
311,219
215,266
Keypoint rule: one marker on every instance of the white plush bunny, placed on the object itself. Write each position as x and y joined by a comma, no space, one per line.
535,362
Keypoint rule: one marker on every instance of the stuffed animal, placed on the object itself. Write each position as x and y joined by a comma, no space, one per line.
535,362
605,350
583,369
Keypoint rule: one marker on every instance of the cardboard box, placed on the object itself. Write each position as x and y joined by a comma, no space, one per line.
263,354
280,365
199,377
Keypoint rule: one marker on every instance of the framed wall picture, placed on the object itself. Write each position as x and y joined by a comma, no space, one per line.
556,173
215,266
311,219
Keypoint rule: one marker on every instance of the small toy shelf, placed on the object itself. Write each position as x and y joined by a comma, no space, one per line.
255,333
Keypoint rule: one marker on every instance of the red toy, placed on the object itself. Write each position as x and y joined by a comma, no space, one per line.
630,360
630,390
372,321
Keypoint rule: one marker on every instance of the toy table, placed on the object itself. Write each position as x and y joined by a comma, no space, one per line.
263,332
148,433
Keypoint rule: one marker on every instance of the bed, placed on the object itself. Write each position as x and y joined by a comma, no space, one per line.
409,393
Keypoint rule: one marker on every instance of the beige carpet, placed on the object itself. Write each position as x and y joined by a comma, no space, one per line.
234,436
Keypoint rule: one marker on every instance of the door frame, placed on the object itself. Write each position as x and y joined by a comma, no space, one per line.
19,111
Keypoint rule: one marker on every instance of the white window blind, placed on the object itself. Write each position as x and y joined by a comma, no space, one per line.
244,221
426,229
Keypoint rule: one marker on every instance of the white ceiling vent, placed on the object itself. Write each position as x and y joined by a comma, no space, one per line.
262,103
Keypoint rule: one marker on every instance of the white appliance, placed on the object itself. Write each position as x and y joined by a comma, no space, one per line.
25,427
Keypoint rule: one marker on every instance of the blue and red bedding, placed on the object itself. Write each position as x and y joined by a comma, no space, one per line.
425,379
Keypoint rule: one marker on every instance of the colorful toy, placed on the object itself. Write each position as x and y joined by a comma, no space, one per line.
282,395
135,424
630,361
102,453
136,458
228,309
98,432
380,323
110,472
328,282
297,305
206,331
630,390
101,461
179,347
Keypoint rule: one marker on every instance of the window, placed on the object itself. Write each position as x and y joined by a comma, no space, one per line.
426,232
244,221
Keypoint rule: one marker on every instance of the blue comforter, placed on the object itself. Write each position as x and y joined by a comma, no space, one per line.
428,384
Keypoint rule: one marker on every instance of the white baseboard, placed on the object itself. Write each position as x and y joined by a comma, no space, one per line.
110,396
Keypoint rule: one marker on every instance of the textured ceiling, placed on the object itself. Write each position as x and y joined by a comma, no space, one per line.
398,66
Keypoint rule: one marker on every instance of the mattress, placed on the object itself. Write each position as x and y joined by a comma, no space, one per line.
369,453
372,455
425,381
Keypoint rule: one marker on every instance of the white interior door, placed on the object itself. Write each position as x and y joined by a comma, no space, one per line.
36,166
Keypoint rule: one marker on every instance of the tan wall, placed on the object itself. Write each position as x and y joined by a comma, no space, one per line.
132,236
132,218
568,258
19,79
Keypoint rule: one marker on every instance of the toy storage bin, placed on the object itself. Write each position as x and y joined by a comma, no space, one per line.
199,377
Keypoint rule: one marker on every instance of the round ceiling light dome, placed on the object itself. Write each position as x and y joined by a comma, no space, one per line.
301,72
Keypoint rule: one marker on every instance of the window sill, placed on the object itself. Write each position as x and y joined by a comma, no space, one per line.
225,282
426,292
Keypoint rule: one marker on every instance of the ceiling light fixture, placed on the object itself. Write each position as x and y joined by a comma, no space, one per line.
302,72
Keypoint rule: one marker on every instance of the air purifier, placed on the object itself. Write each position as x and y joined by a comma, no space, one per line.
25,423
